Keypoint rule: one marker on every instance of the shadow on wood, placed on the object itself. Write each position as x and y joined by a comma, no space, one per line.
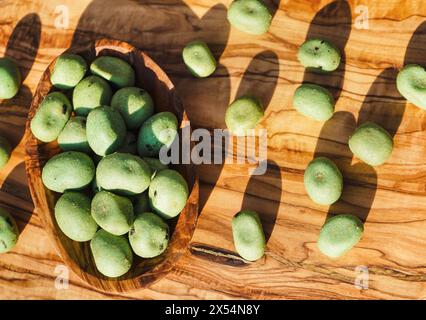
22,47
332,23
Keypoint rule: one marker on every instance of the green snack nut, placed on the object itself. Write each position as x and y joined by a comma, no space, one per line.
242,115
158,131
323,181
8,231
250,16
113,69
113,255
411,84
91,92
319,55
141,203
247,231
5,150
199,59
73,136
123,173
71,170
314,102
72,213
112,212
134,104
105,130
51,117
168,193
149,235
371,143
69,69
10,78
155,164
339,234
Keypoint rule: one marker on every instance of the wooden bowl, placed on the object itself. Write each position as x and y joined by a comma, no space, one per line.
78,255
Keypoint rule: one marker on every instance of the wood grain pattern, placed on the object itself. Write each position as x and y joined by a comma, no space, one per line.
77,255
391,198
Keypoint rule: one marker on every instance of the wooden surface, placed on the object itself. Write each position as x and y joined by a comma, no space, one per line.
391,197
77,255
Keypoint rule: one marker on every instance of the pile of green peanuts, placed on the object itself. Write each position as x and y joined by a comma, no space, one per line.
116,193
322,179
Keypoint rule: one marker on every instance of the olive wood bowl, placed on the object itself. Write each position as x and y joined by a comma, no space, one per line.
77,255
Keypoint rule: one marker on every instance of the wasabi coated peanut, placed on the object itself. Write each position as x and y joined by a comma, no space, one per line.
168,193
158,131
10,78
339,234
71,170
123,173
411,84
323,181
199,59
5,150
242,115
73,136
72,213
250,16
105,130
91,92
8,231
141,203
51,117
149,235
247,231
69,69
112,254
371,143
112,212
134,104
113,69
314,102
319,55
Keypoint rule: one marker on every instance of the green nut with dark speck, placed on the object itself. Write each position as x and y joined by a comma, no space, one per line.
8,231
149,235
71,170
168,193
319,55
112,212
51,117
